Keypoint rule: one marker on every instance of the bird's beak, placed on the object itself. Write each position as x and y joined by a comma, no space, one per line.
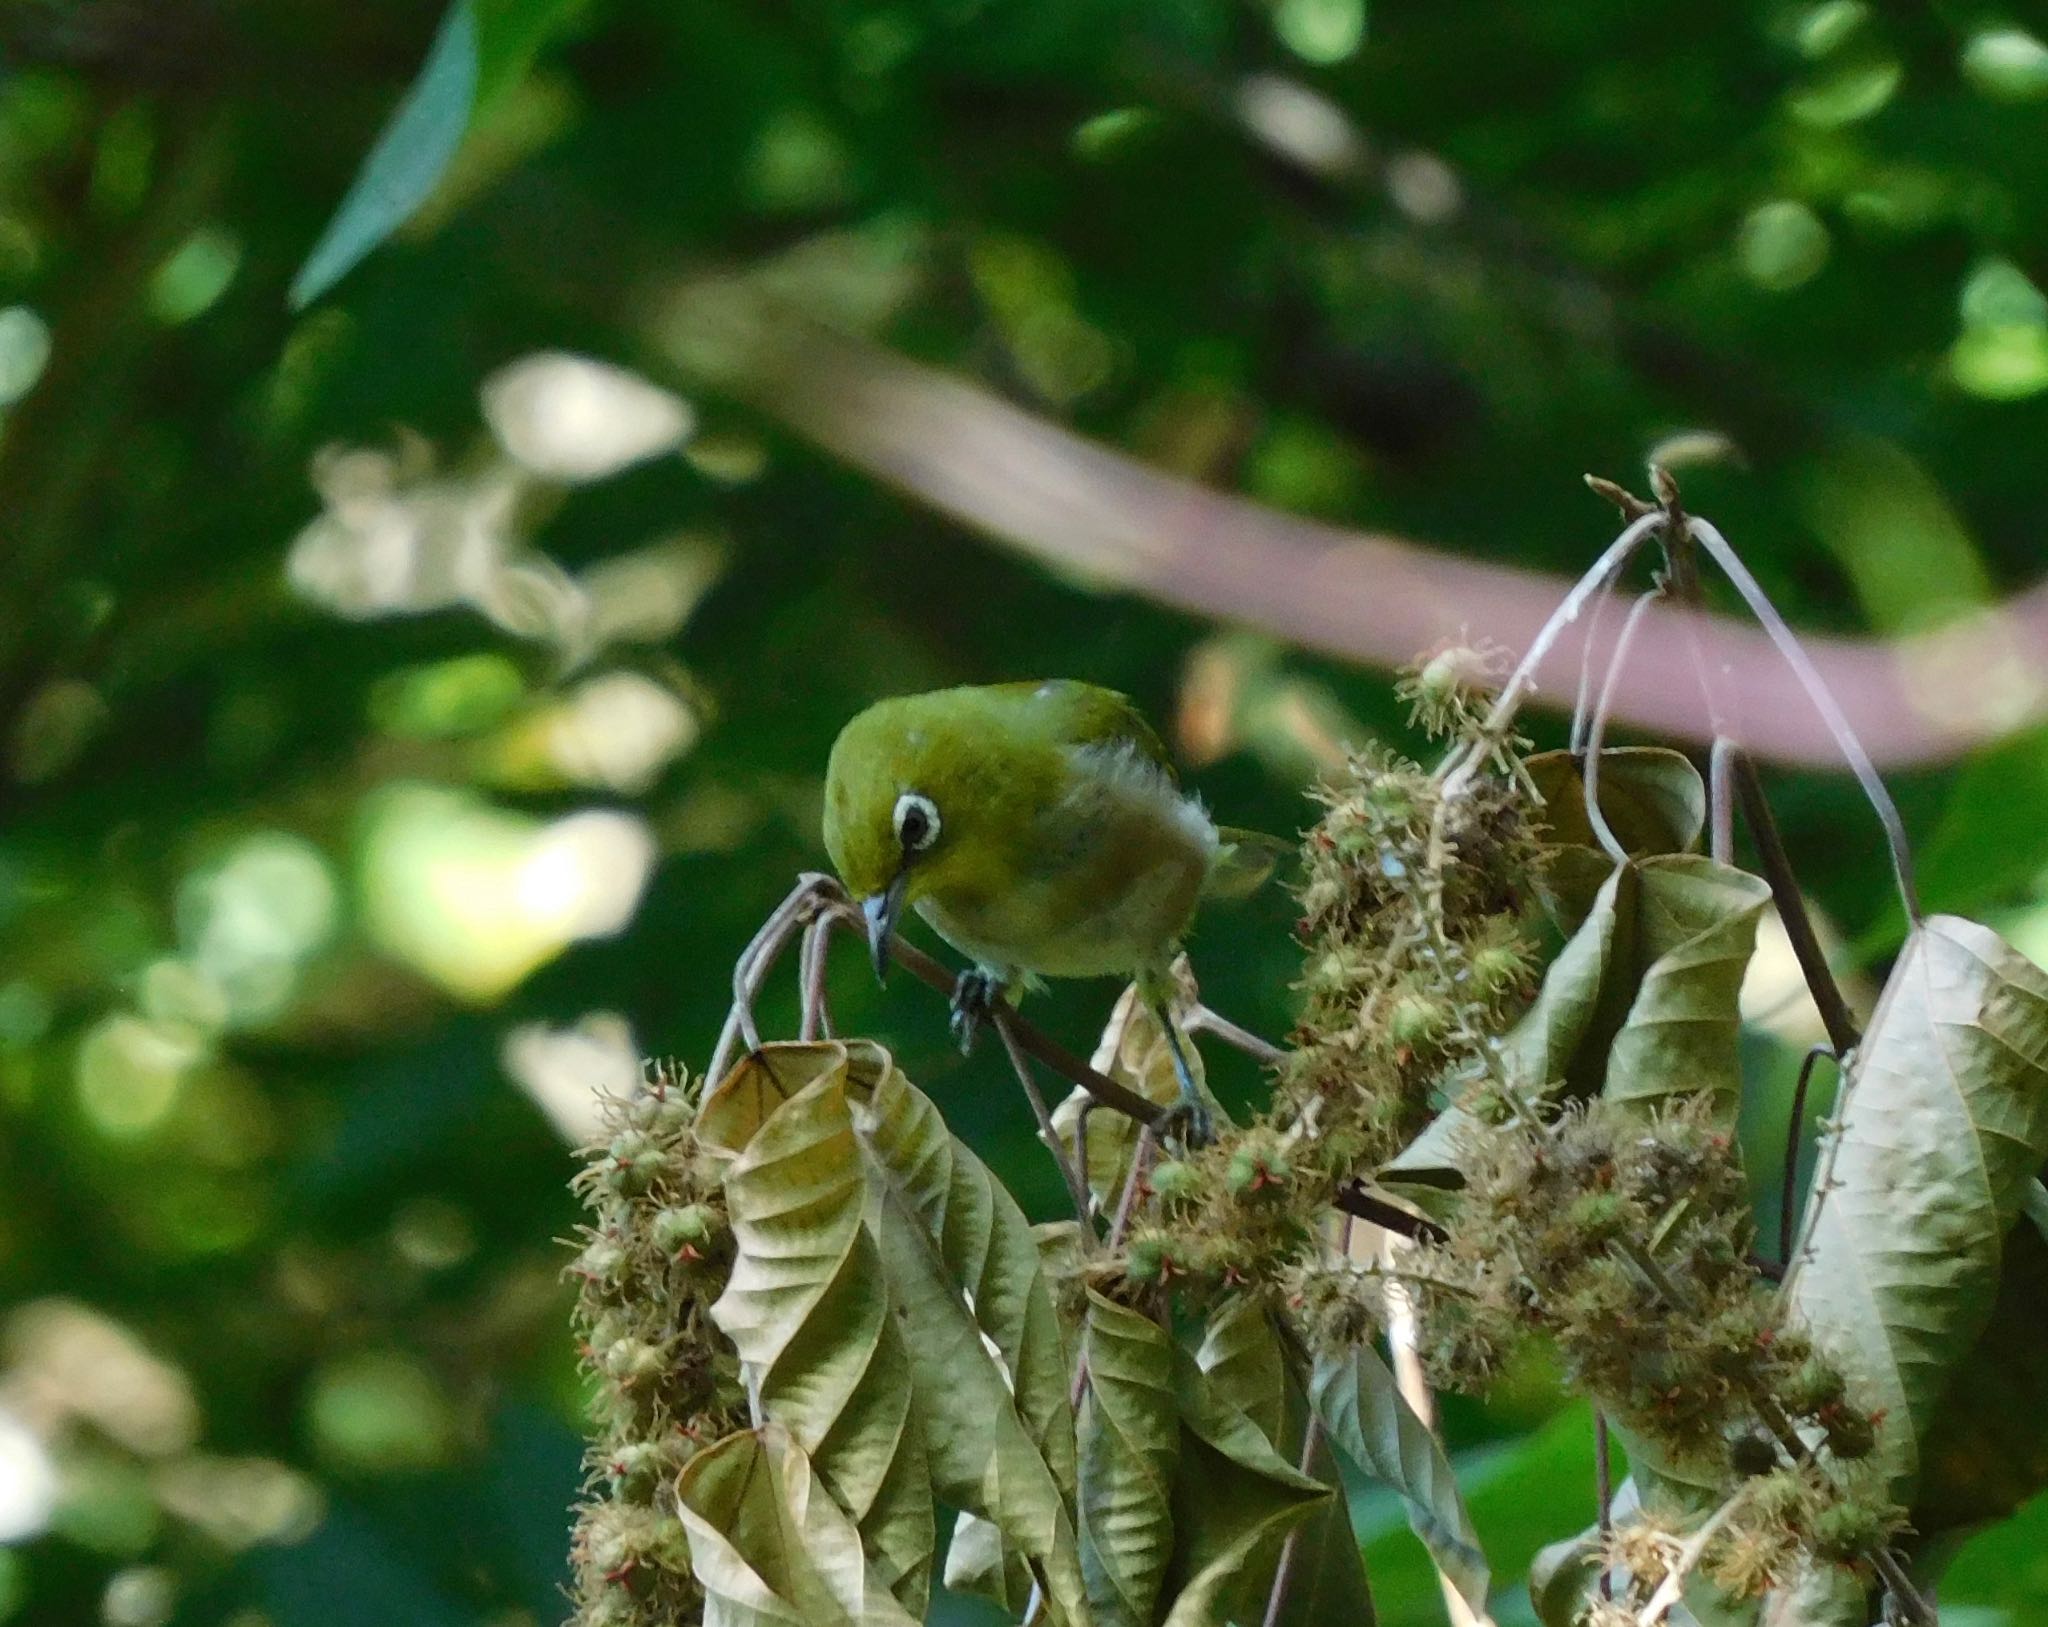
881,910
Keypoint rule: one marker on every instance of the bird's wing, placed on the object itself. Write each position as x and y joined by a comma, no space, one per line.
1081,714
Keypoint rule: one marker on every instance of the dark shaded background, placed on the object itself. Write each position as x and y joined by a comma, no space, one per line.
296,942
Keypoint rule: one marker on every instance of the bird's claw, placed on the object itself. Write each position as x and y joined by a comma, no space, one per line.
975,993
1187,1124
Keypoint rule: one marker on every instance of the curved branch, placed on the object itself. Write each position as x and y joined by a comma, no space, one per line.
1082,507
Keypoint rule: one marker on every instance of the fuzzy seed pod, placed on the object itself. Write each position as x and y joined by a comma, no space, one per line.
1175,1182
1847,1531
1259,1169
690,1227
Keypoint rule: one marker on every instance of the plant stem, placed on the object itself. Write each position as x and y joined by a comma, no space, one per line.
1824,703
1603,1487
1077,1188
1788,1188
1597,735
1460,764
1721,801
1776,864
1204,1020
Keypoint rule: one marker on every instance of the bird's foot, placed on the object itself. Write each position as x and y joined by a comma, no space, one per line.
976,992
1189,1120
1187,1125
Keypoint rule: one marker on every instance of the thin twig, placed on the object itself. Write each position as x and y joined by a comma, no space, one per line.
1788,1189
1582,701
1597,736
1776,865
1603,1489
1077,1188
1460,765
1126,1206
1824,703
1720,801
1672,1588
1311,1439
1283,1574
1202,1019
1353,1199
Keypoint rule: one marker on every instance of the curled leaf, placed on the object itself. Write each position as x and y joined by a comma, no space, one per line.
1235,1499
1368,1420
770,1548
1641,1004
807,1308
1130,1444
1943,1127
972,1298
1134,1052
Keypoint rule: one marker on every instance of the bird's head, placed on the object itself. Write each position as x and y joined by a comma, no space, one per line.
923,795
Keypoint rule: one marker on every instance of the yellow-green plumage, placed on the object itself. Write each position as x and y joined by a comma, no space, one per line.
1065,845
1064,848
1039,828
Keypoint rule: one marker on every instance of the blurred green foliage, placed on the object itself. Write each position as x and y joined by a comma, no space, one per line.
376,785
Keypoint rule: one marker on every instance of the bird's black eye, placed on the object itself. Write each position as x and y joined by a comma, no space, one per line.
917,821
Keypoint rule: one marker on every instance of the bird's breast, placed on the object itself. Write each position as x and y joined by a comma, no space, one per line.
1104,882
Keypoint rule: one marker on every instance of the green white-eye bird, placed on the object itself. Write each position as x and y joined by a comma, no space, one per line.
1040,830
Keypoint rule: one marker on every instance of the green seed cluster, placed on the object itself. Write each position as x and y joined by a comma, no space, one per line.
1404,979
654,1256
1674,1336
1405,962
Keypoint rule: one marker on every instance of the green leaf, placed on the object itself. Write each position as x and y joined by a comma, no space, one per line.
1240,1353
1241,1357
1641,1003
769,1548
1359,1403
1653,798
1134,1052
1654,801
1235,1498
1943,1125
807,1309
1329,1580
972,1297
1986,1451
1696,929
406,160
1130,1444
482,47
979,1562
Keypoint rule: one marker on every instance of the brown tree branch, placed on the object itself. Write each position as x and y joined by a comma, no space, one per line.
1082,507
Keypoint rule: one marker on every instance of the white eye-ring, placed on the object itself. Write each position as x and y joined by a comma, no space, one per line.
917,821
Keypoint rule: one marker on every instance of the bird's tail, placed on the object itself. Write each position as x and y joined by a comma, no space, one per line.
1243,862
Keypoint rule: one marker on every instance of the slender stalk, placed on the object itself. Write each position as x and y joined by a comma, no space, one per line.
1203,1019
1077,1188
1283,1574
1824,703
1583,701
817,1014
1311,1439
1721,801
1126,1206
1597,735
1603,1487
1776,865
1788,1187
1459,766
